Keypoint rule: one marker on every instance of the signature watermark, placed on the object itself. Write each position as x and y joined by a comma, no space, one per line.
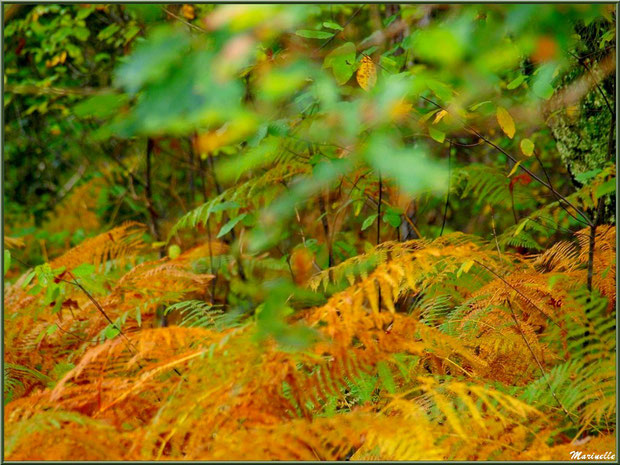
579,455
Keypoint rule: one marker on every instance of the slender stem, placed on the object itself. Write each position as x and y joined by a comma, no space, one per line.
150,144
325,223
445,210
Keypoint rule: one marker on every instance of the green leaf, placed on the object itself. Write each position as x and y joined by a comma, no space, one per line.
393,219
81,33
130,33
100,106
174,251
584,177
111,332
520,227
441,90
7,261
369,221
28,279
231,224
342,62
108,31
516,82
478,105
527,147
224,206
542,85
606,188
332,25
436,134
309,34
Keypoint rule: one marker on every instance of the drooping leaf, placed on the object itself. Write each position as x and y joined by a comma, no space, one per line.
332,25
505,121
369,221
514,168
231,224
439,116
367,74
516,82
309,34
436,134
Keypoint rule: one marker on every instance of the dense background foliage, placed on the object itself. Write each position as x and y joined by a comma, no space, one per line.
309,232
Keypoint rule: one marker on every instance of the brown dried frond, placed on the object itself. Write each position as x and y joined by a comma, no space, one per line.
604,260
14,242
58,435
117,244
144,288
595,445
561,256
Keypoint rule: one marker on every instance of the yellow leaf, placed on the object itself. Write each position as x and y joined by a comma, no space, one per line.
439,116
514,168
367,74
527,147
188,12
520,227
399,110
465,267
572,111
423,119
506,122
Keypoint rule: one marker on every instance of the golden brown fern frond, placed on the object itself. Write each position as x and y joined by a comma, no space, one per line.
40,337
58,435
604,259
117,244
603,445
561,256
14,242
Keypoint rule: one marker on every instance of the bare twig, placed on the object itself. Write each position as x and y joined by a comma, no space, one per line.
445,210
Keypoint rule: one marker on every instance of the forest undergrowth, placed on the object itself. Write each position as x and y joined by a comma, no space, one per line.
301,232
